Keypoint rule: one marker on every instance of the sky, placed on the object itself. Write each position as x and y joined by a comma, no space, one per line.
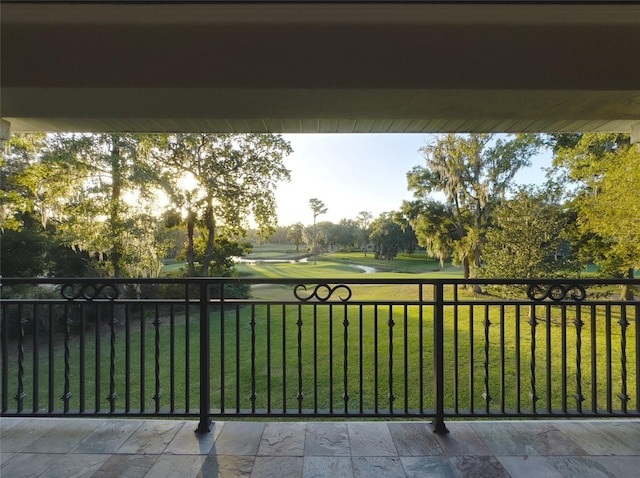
358,172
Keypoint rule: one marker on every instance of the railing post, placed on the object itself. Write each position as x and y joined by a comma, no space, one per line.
205,360
438,358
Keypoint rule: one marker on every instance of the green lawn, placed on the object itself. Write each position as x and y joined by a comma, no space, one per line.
312,342
370,352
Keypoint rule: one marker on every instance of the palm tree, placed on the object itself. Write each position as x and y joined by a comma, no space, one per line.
317,207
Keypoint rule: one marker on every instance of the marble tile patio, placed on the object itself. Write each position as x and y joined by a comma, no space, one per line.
108,448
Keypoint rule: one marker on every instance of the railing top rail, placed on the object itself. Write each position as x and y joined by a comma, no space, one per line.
296,280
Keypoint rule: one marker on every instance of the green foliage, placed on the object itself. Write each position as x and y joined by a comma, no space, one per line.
95,199
23,252
296,234
388,237
233,178
603,174
31,251
527,238
473,172
612,214
224,252
434,227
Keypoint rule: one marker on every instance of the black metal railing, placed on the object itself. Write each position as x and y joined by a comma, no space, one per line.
326,348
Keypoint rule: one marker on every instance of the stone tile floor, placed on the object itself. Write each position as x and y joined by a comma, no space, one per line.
107,448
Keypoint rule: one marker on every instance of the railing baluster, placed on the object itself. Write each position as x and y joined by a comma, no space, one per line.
4,333
331,359
20,396
487,394
142,357
405,337
66,396
548,357
81,357
502,360
563,331
36,358
637,364
438,358
157,395
299,323
624,324
376,384
112,362
315,358
269,358
51,365
594,361
421,357
471,362
284,364
252,324
187,349
238,403
533,322
172,359
127,359
223,355
98,365
391,324
609,358
361,360
456,351
345,395
579,324
518,361
204,425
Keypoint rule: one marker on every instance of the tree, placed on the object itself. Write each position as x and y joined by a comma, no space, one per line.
387,237
347,233
473,171
24,250
603,173
53,178
364,221
280,235
434,226
296,234
236,175
317,208
527,237
102,212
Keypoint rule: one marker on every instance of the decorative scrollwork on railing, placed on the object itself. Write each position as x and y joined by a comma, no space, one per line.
89,291
322,292
556,292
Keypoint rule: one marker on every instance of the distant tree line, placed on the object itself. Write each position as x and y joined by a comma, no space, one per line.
384,237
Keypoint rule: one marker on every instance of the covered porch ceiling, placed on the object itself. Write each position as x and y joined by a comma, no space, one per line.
371,67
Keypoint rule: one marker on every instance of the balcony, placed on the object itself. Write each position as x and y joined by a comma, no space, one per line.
161,448
428,349
425,353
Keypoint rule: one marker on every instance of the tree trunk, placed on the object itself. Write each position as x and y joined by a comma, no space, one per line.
465,268
626,293
476,261
191,223
211,230
114,207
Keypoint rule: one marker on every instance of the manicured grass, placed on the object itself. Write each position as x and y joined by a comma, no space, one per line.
328,349
276,251
371,352
336,265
